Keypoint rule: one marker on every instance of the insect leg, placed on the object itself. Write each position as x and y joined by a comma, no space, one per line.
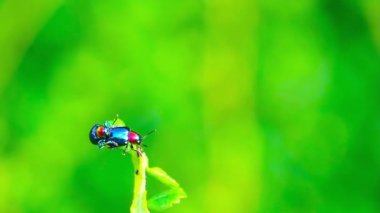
138,150
101,143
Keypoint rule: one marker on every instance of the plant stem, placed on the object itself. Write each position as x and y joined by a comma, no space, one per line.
140,163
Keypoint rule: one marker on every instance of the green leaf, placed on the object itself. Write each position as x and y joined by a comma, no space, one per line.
139,203
162,176
165,199
117,122
140,161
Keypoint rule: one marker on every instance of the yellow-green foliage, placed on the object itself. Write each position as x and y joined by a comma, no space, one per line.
259,106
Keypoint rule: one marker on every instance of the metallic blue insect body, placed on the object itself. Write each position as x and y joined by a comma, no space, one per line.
108,135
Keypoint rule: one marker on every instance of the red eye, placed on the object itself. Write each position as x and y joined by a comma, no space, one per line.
100,131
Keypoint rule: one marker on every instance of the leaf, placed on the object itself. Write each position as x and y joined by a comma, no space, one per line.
116,122
168,198
139,203
162,176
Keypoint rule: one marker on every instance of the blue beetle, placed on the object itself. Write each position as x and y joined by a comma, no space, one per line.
111,136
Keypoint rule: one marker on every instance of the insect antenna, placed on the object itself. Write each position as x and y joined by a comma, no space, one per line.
149,133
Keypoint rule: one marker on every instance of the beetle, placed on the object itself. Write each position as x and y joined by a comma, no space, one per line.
111,136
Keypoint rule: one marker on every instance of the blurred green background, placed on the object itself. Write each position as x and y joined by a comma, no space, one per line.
260,106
